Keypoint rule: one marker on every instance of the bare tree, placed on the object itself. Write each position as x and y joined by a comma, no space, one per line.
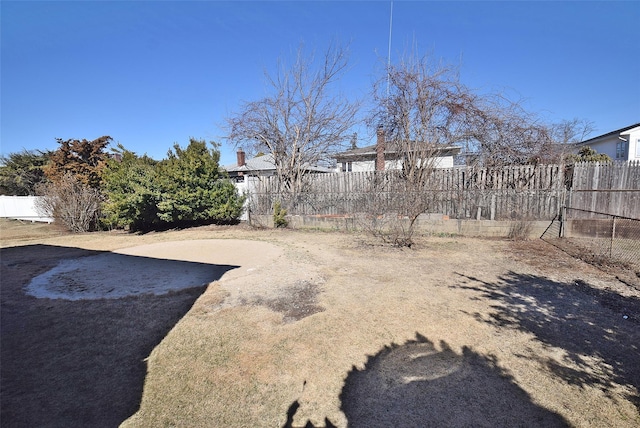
71,202
565,134
422,109
303,120
572,130
502,132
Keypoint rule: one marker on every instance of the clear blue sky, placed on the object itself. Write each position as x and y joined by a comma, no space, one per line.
152,73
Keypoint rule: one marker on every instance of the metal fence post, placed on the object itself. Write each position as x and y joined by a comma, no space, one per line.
613,236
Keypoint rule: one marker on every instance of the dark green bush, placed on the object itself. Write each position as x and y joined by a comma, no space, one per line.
188,188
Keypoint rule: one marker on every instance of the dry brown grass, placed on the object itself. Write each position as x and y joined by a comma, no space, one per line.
334,330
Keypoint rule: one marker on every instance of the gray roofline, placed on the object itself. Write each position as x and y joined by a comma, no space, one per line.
371,150
266,163
608,134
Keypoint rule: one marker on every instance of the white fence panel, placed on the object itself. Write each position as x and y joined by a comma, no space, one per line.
21,208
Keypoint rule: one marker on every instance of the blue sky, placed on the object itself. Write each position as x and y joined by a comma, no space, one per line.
151,73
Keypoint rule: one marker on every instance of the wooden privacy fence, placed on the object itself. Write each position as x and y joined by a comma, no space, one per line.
460,192
612,188
530,191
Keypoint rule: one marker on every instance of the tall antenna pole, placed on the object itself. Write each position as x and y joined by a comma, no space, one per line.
389,52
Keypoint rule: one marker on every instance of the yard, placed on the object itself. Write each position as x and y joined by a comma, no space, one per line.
312,328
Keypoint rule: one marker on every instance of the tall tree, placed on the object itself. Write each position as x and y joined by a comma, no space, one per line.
193,188
129,184
187,188
303,120
502,132
21,172
73,194
421,109
83,159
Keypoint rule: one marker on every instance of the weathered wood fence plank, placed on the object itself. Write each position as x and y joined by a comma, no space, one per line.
536,192
612,188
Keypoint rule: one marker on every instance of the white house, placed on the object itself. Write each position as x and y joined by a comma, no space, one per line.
622,144
383,156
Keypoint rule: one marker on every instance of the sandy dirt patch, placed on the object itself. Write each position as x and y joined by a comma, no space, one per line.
149,269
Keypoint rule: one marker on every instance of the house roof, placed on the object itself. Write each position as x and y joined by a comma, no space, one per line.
260,163
370,151
608,134
631,130
266,163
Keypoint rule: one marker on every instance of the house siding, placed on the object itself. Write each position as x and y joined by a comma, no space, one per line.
370,165
610,144
633,137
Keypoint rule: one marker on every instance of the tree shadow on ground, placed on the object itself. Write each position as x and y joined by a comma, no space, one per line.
80,363
598,329
415,384
293,408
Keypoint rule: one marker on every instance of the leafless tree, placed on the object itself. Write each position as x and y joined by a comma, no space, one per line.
572,130
567,132
423,109
502,132
302,121
69,201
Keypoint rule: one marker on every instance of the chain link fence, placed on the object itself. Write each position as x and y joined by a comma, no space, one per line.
597,237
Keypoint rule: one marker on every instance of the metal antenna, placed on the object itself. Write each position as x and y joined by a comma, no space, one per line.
389,52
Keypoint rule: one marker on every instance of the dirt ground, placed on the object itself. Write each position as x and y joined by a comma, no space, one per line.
311,329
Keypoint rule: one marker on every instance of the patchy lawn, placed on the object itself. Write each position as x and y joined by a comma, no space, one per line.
320,329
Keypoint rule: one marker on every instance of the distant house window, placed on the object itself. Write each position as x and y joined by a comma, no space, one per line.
621,149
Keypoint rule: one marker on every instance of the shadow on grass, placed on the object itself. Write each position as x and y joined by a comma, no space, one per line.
416,384
293,408
80,363
599,330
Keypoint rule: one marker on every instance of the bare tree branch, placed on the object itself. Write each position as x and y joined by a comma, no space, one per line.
303,121
423,110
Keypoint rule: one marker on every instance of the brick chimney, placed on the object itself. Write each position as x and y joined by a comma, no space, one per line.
241,158
380,147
